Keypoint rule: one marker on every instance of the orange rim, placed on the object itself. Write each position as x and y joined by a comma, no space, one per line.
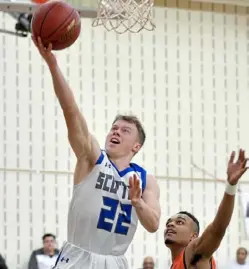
39,1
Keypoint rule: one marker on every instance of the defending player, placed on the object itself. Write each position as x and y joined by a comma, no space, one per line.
182,230
102,218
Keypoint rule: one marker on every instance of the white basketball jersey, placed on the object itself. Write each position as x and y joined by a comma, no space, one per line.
101,218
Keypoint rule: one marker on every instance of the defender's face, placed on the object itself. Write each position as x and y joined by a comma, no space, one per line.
179,230
122,139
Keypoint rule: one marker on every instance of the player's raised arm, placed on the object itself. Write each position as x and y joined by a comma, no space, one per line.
147,205
208,243
83,144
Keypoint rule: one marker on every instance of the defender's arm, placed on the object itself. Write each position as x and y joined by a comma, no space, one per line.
148,208
210,240
208,243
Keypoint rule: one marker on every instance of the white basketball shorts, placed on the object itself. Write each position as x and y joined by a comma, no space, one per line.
73,257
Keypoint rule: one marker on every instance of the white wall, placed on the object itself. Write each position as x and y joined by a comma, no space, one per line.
187,81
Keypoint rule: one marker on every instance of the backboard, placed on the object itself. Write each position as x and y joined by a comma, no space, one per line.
86,8
118,15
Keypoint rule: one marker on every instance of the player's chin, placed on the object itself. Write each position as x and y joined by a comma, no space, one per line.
169,241
111,150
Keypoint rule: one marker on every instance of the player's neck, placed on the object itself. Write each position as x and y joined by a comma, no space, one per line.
175,251
121,163
241,262
49,252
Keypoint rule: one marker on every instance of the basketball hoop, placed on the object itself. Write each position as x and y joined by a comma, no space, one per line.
125,15
39,1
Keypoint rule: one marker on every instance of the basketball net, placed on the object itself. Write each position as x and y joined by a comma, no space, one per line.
125,15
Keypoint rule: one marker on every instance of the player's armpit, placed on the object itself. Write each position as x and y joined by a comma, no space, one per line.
208,242
203,247
193,257
211,238
85,163
82,142
149,211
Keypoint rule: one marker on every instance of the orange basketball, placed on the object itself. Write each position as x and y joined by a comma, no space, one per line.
56,22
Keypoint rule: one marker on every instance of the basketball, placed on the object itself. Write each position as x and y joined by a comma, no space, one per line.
56,22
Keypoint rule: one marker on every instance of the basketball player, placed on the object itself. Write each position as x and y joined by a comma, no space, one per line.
110,193
182,230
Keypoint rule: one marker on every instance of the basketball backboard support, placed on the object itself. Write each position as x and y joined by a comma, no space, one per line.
86,8
21,11
118,15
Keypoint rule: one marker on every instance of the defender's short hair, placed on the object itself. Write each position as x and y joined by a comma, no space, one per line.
136,121
194,219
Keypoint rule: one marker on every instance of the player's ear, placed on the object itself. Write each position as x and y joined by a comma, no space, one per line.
194,236
136,148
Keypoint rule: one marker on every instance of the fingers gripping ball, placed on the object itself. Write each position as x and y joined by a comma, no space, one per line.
56,22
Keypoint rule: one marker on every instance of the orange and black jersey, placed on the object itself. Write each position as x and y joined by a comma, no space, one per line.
179,262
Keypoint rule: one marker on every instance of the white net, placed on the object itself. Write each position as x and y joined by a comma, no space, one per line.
125,15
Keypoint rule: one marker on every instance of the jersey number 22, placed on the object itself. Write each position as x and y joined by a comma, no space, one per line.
110,214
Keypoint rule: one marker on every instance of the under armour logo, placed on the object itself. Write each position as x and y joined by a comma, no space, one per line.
63,259
109,165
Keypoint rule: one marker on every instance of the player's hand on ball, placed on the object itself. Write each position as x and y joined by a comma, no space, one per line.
46,53
236,169
135,191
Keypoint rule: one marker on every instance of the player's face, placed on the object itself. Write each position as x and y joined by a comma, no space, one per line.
122,139
179,230
49,243
241,255
148,263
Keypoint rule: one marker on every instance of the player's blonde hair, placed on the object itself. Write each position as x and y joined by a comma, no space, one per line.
133,119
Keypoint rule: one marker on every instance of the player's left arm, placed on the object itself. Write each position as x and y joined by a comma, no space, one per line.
147,204
204,246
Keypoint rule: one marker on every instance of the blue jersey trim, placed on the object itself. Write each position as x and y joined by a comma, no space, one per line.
132,168
143,173
123,172
100,159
